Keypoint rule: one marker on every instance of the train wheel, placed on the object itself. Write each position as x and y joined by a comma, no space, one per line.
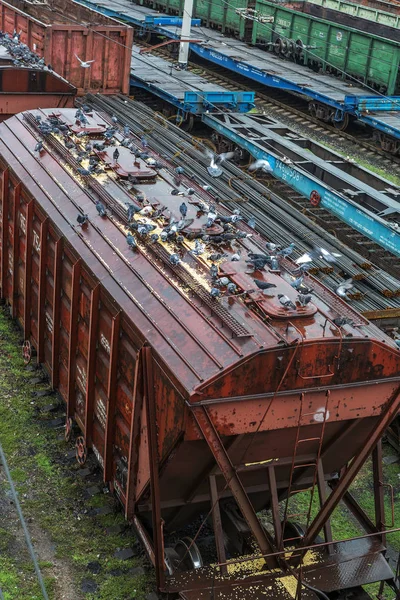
27,352
81,450
188,123
189,554
68,429
343,124
172,560
278,46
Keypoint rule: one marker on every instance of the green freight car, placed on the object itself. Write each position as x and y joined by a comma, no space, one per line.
217,14
358,10
329,47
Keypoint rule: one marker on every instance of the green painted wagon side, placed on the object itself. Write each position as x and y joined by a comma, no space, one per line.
341,50
358,10
224,16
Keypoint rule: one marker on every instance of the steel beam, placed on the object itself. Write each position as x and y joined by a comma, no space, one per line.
4,231
388,413
134,441
112,398
55,346
275,507
28,270
217,525
233,481
42,288
15,246
149,395
73,336
322,499
91,362
378,489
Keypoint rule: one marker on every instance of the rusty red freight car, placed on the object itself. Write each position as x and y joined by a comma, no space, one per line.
64,30
205,398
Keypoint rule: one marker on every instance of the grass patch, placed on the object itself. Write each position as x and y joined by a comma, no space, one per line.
52,498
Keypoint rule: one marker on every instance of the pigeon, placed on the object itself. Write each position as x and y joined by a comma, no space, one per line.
222,281
230,218
183,210
38,147
198,248
324,254
343,289
130,240
154,237
304,299
211,216
206,188
82,219
251,223
85,64
397,342
304,259
341,321
263,285
127,131
271,246
190,191
262,164
258,261
235,257
179,170
216,256
214,271
131,210
84,172
296,283
143,141
114,119
145,228
301,269
101,209
116,155
274,264
215,293
174,259
286,251
286,302
146,210
231,288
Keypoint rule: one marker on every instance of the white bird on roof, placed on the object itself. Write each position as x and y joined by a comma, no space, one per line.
85,64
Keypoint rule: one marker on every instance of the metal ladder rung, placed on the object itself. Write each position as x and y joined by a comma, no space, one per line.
316,439
314,464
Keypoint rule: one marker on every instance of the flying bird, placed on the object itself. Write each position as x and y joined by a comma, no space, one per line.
343,289
262,164
85,64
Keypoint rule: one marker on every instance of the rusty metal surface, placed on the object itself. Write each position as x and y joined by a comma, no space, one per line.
66,29
88,303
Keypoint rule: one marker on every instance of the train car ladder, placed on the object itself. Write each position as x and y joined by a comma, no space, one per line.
298,464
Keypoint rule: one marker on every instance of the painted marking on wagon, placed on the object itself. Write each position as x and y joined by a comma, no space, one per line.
49,322
22,222
98,456
81,376
105,344
36,241
319,415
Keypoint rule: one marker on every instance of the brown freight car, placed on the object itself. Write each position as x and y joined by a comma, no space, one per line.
65,29
195,406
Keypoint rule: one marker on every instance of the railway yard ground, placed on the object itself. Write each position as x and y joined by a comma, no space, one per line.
75,546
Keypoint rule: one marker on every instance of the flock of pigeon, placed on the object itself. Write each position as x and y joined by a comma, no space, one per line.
21,54
217,240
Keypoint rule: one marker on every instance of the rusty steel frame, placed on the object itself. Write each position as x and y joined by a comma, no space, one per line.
217,524
149,396
112,397
55,346
73,336
4,229
133,458
388,413
17,194
232,479
44,226
91,362
28,268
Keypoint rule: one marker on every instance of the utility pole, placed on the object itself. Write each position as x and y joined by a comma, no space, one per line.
185,33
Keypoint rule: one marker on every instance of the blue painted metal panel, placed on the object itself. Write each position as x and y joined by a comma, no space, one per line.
376,103
175,21
358,218
196,102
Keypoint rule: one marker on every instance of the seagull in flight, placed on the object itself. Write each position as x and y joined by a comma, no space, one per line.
85,64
